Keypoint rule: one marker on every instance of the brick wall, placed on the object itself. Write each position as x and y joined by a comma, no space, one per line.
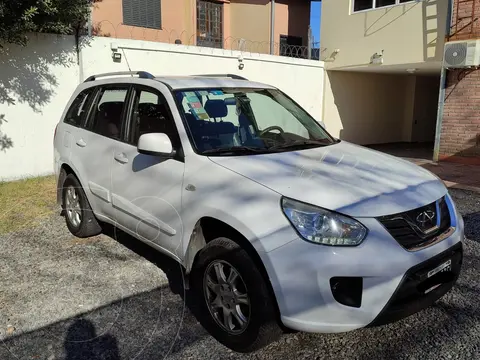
461,117
460,137
464,19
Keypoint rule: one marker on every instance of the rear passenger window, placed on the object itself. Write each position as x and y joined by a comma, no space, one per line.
78,110
107,116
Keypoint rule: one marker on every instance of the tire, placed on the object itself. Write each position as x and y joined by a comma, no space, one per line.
261,327
87,225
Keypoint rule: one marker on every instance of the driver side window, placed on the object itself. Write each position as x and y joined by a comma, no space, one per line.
270,113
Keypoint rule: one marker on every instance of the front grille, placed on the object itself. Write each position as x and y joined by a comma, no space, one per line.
416,228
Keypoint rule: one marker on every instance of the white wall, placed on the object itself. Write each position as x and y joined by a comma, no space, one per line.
411,32
35,84
300,79
367,108
41,77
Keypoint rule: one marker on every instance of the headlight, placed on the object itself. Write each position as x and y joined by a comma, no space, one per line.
321,226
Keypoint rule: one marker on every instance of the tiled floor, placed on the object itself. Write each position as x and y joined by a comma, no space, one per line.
454,174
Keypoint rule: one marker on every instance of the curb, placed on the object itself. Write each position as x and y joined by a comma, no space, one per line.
454,185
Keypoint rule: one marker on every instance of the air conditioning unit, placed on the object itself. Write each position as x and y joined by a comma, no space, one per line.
462,54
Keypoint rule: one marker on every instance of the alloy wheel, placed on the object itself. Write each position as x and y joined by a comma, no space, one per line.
72,206
227,297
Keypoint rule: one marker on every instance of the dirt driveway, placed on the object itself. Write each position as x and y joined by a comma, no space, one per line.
66,298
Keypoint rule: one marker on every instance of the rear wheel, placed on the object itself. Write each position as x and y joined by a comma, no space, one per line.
235,306
79,216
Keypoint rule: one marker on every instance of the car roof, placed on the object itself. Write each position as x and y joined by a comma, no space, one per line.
177,82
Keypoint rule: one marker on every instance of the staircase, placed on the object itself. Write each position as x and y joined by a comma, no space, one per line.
465,20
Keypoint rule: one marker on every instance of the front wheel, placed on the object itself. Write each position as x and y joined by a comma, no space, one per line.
235,306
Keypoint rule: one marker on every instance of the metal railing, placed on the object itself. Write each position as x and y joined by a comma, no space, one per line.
106,28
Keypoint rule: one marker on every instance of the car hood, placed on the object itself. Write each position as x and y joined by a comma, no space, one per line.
343,177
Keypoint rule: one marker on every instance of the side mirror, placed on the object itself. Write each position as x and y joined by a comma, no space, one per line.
156,144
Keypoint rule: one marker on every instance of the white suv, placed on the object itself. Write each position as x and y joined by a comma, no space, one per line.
277,224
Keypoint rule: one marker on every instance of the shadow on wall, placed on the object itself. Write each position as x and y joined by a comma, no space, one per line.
5,141
434,17
371,107
298,19
469,155
26,75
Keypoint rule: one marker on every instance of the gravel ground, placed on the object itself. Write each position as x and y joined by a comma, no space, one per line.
67,298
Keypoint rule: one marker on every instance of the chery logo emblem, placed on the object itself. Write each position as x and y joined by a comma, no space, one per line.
425,217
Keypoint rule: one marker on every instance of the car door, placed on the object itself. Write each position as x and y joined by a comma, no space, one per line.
146,193
97,144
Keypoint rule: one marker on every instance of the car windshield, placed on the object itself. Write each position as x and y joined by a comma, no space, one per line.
232,121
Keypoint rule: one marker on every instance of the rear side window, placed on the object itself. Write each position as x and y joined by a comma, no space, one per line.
79,108
108,111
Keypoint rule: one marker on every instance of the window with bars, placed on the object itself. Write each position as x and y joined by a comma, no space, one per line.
142,13
209,24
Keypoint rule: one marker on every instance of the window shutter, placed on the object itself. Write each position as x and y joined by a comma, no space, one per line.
142,13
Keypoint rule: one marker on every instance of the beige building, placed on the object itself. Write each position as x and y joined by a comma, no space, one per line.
229,24
383,61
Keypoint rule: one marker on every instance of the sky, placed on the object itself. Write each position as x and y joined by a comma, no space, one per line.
315,14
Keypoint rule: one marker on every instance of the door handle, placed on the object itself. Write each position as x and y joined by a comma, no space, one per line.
81,143
121,158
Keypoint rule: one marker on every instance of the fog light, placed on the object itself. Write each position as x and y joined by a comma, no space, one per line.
347,290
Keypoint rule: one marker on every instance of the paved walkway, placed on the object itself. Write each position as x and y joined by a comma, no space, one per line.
454,175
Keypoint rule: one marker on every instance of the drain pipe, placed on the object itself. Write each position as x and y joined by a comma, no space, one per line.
441,103
443,85
272,27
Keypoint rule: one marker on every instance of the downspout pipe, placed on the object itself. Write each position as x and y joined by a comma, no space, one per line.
272,27
443,85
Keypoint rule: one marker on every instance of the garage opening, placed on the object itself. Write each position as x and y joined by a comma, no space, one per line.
394,113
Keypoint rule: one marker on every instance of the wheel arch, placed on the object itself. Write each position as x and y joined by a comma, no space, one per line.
65,170
209,228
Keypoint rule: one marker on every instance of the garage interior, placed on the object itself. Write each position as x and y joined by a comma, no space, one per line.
394,112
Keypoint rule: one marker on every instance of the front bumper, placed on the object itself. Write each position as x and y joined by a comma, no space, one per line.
417,290
301,274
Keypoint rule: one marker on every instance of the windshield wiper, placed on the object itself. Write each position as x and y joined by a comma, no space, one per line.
299,143
235,150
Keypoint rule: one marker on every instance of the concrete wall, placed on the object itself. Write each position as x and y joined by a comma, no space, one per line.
35,84
38,80
426,108
369,108
292,18
413,32
255,30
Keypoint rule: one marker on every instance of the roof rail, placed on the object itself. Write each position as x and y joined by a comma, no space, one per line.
233,76
141,75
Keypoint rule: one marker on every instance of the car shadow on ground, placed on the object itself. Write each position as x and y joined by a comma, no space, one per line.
171,268
157,324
